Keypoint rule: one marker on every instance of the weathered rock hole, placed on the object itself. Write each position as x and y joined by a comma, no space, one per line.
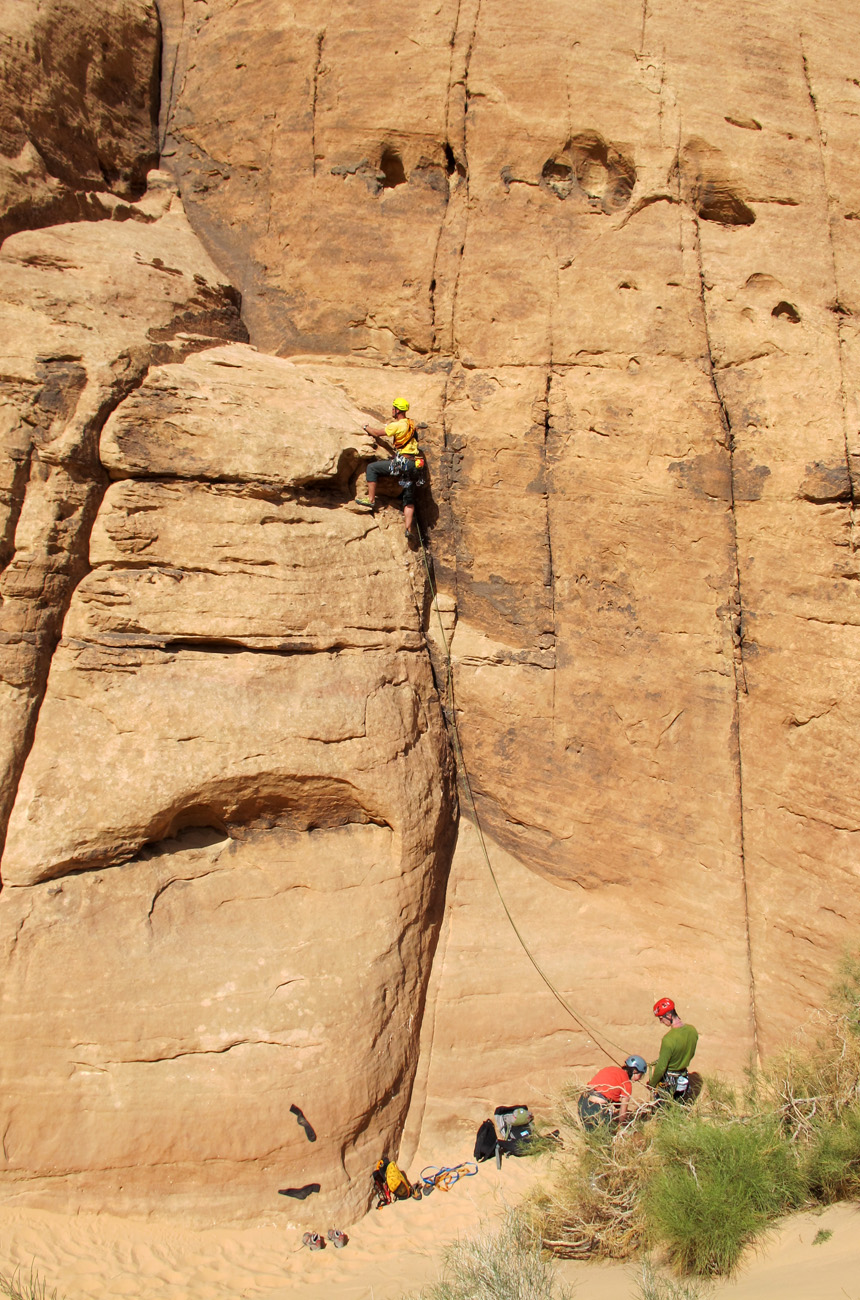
391,167
451,164
787,311
706,177
557,176
600,173
745,123
714,201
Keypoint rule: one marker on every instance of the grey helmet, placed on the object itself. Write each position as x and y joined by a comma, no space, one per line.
636,1063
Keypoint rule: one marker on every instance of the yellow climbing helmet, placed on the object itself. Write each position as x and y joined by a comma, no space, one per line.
400,404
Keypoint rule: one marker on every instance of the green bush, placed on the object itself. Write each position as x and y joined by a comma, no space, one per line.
716,1186
504,1265
832,1159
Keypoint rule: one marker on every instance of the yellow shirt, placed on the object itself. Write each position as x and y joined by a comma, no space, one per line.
402,434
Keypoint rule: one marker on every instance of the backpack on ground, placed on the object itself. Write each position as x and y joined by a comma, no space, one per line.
508,1133
485,1142
514,1123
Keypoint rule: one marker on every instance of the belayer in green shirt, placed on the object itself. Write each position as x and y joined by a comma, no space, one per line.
669,1071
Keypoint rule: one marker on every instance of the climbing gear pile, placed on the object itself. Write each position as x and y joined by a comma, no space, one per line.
391,1184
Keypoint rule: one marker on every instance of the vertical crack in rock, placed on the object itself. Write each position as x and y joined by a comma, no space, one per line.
449,153
549,574
463,80
320,42
169,99
644,23
736,625
822,155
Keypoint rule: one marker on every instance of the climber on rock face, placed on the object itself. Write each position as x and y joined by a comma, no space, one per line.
405,464
669,1071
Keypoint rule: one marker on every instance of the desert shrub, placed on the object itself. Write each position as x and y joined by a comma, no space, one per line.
831,1163
590,1207
715,1186
505,1265
817,1078
652,1285
16,1286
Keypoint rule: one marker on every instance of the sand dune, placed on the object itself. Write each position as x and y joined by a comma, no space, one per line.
391,1252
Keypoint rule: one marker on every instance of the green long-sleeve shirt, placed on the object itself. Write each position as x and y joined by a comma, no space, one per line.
676,1052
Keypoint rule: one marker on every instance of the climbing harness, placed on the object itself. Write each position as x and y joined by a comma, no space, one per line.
446,1177
467,785
408,467
674,1085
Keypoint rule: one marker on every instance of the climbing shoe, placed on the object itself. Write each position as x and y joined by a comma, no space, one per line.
299,1193
303,1123
367,503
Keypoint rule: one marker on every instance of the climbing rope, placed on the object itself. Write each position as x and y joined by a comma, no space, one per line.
467,785
445,1178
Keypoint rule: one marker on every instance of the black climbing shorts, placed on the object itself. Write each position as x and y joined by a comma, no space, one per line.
401,469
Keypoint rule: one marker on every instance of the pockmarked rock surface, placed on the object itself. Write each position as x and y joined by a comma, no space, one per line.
624,240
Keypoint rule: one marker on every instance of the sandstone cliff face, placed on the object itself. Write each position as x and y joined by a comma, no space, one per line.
625,238
236,738
610,253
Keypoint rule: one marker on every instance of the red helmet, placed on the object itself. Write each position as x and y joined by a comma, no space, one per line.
664,1007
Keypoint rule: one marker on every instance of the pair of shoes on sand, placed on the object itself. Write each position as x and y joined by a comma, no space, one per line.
315,1242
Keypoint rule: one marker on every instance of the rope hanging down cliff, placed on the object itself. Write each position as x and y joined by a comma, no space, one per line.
451,717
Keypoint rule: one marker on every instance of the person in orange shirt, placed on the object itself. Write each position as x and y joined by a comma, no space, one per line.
607,1095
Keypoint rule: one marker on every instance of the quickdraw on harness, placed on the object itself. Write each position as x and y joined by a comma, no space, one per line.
674,1084
447,1176
409,469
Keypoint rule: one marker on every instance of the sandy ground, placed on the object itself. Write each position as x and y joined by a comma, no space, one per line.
390,1253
